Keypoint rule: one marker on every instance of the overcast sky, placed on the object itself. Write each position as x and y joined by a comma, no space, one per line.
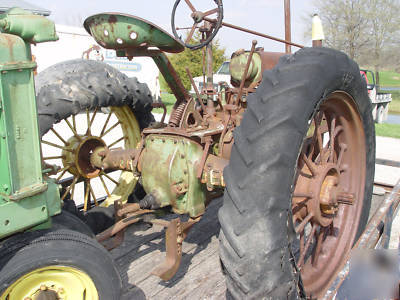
261,15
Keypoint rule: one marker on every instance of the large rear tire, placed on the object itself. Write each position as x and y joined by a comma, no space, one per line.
84,104
287,182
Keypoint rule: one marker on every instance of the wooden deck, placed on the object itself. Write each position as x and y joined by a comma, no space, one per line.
199,276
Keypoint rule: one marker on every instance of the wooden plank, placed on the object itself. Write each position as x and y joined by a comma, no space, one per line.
143,249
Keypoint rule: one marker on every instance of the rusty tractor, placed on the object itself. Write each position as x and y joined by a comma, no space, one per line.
290,146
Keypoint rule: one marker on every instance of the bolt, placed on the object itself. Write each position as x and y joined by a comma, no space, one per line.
43,287
175,141
185,172
163,140
182,156
60,292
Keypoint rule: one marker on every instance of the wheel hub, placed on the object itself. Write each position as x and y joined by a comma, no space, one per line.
77,152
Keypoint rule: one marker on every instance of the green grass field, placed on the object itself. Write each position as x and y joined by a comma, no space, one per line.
389,130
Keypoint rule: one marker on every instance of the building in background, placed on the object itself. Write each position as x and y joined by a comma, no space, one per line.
76,43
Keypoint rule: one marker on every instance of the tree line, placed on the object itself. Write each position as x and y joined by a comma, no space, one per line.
366,30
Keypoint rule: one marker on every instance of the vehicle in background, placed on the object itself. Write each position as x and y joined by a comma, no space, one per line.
380,101
221,76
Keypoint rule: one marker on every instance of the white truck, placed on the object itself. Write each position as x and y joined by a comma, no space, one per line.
222,75
380,101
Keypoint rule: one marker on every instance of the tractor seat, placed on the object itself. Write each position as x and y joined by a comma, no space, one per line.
125,32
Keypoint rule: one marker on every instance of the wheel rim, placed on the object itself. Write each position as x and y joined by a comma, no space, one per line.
329,191
67,147
53,282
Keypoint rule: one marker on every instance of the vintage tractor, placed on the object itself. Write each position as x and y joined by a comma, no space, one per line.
291,148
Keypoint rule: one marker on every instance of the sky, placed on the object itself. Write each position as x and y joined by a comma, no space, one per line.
266,16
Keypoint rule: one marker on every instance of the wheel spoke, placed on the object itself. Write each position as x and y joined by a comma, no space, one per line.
110,178
73,129
53,157
93,116
105,186
73,122
109,129
69,188
116,142
190,35
307,245
59,136
310,164
86,203
343,147
332,138
56,146
317,249
105,124
63,171
92,193
190,5
210,12
88,131
303,223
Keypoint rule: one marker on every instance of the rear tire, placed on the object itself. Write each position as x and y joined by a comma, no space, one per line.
257,230
33,259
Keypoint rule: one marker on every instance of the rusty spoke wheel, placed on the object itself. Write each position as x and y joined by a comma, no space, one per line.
299,180
329,189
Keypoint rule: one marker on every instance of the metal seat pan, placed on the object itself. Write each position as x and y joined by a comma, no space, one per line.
126,32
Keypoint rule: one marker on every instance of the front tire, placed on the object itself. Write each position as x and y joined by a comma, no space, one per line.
271,190
58,263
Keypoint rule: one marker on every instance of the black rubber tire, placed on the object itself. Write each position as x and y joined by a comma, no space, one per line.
69,87
68,220
26,252
256,224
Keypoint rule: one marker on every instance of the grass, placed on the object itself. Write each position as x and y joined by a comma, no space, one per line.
389,130
168,100
394,106
389,78
386,78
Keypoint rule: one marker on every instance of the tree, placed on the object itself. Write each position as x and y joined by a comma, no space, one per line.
366,30
345,25
383,16
193,59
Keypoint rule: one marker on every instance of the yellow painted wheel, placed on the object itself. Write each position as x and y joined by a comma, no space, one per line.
53,282
57,264
67,147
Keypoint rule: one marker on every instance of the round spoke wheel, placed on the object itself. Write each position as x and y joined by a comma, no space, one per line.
300,178
69,144
83,105
197,17
329,190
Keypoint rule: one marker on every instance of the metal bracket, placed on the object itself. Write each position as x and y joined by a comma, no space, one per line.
175,234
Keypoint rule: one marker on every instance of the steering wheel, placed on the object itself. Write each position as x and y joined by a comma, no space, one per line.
198,17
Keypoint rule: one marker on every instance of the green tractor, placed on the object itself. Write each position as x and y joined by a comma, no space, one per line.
290,147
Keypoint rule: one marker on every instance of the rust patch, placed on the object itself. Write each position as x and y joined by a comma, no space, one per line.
112,19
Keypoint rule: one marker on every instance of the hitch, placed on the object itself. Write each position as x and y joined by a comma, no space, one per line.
175,234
